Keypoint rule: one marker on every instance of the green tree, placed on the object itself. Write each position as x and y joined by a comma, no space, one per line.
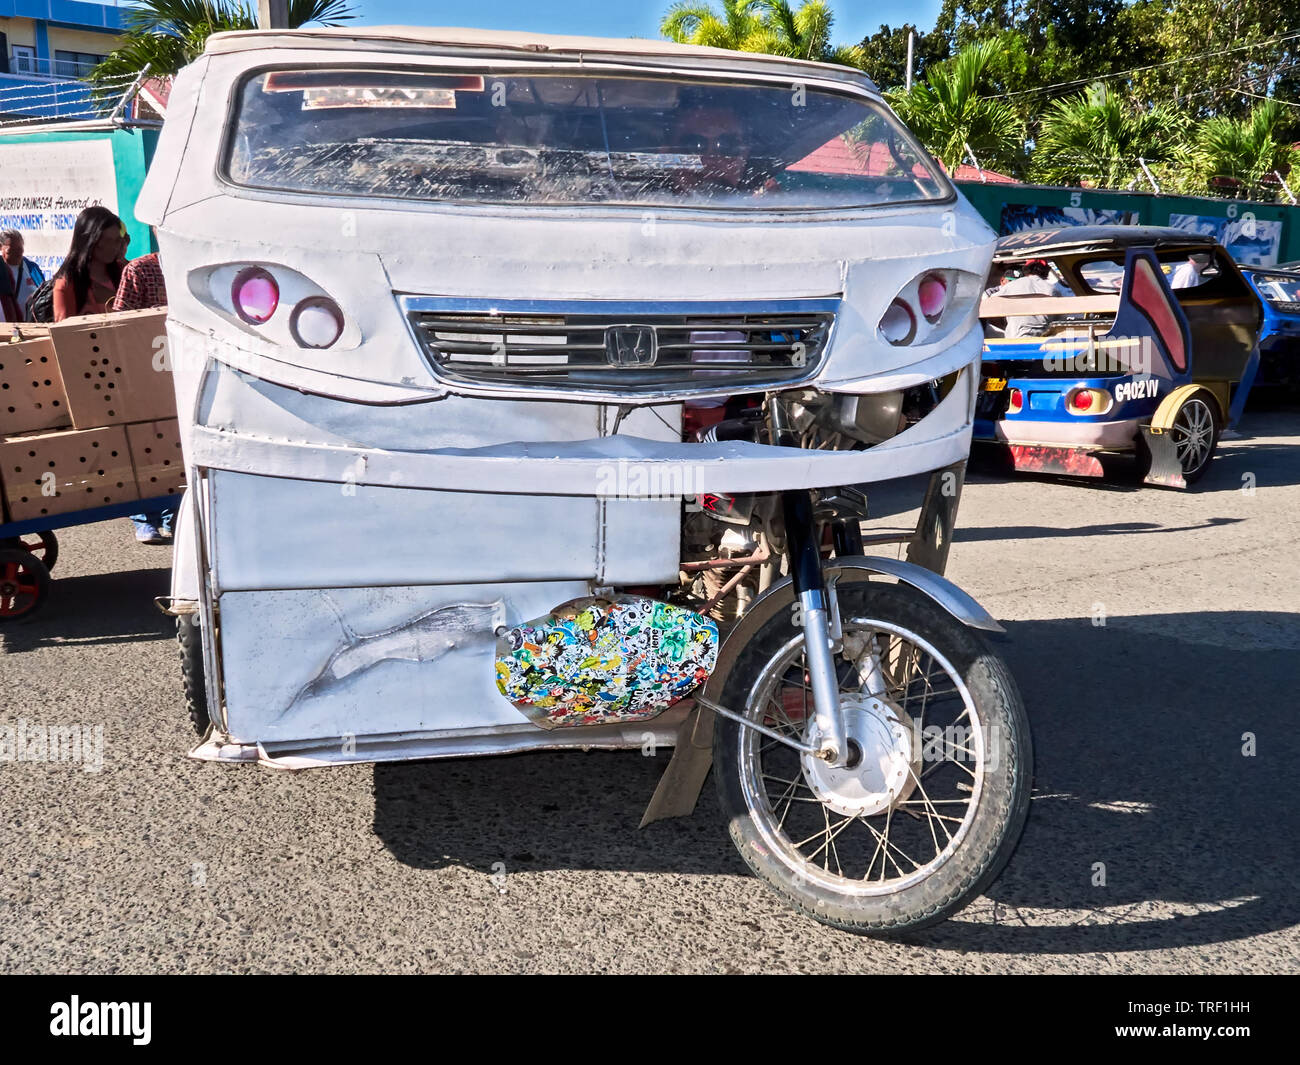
168,34
884,54
771,26
948,113
737,27
1220,54
1241,154
805,32
1097,138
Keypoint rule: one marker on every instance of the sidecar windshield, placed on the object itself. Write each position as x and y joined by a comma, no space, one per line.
559,139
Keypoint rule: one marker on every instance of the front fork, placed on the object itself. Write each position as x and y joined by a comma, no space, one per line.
818,606
822,632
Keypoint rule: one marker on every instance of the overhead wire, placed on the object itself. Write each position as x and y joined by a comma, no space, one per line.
1150,66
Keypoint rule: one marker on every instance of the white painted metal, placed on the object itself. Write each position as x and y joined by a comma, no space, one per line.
363,528
645,736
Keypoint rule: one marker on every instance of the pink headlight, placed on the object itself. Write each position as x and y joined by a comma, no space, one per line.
932,294
255,295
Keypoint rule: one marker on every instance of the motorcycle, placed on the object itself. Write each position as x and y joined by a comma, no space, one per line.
532,391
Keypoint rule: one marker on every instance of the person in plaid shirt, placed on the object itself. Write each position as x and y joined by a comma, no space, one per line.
141,286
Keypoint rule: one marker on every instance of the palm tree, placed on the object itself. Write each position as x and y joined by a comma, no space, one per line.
1098,138
952,119
1243,150
770,26
805,33
168,34
737,26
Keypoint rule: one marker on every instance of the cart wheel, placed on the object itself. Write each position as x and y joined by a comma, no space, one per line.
24,584
196,695
44,545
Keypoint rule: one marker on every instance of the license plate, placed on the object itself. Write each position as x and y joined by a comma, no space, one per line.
994,384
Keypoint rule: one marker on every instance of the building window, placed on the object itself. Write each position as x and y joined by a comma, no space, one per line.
74,64
24,59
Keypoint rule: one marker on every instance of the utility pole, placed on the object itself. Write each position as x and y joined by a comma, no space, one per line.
911,36
272,14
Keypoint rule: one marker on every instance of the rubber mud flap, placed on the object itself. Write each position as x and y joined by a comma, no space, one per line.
679,788
1163,466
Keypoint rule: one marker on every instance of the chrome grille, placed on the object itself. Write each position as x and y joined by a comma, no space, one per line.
620,350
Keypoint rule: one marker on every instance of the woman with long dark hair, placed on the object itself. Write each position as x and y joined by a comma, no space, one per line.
87,281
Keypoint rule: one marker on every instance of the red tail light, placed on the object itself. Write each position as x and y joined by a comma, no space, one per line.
1088,401
1015,402
255,295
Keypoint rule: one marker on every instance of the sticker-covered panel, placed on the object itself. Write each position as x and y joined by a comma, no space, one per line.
596,661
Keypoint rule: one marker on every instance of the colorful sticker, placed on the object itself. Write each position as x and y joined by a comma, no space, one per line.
600,661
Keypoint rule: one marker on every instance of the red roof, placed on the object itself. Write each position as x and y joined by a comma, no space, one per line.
991,177
154,93
839,156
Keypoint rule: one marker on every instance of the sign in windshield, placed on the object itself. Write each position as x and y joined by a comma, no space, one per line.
560,139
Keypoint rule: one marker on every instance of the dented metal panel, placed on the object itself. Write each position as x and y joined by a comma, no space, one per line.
345,662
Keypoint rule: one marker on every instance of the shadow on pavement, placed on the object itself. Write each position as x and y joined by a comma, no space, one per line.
1139,729
1038,532
99,608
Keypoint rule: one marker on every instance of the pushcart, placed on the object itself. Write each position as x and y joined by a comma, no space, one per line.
29,550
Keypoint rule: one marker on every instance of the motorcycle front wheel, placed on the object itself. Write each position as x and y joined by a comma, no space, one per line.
934,797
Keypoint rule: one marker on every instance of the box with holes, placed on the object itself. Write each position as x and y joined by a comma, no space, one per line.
156,457
31,388
57,473
112,367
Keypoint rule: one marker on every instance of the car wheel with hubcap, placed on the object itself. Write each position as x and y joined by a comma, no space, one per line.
1194,432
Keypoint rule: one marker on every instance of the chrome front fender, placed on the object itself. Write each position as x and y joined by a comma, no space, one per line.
679,787
781,596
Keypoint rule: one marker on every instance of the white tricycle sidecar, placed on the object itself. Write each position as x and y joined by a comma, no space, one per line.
529,388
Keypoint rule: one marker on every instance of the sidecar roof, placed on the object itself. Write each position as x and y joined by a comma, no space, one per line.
422,39
1078,240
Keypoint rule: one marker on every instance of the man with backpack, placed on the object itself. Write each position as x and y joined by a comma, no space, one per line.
20,277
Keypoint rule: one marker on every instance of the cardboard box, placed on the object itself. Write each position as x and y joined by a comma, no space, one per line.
31,388
108,367
156,457
23,331
89,468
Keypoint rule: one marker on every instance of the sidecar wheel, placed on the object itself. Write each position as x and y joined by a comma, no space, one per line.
190,641
930,811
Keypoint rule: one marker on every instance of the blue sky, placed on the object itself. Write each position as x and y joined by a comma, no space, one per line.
854,19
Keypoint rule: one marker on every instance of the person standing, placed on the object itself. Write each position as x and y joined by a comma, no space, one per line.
1035,280
23,276
142,287
1188,274
87,281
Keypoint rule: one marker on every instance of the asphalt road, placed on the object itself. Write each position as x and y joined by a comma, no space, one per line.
534,863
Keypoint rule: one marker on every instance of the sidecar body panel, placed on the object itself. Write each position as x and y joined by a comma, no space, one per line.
439,301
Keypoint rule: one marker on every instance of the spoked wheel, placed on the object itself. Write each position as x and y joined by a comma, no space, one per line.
44,545
934,798
1194,433
24,584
